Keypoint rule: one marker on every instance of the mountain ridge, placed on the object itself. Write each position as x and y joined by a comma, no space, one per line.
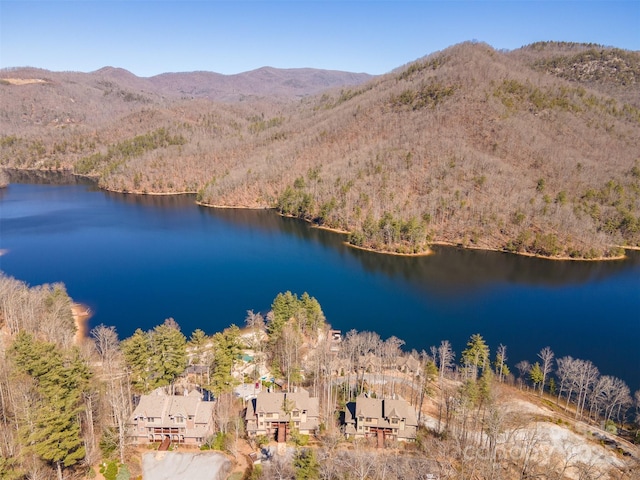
266,81
470,146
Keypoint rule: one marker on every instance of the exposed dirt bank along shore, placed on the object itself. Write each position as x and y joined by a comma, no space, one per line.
81,315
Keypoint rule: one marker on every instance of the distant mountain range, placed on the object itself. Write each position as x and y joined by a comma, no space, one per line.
532,151
263,82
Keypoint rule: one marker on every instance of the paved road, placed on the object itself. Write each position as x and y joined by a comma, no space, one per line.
375,379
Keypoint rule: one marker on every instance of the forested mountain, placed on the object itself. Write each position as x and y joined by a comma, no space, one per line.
532,151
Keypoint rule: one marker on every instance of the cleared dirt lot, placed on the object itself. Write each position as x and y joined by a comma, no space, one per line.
194,466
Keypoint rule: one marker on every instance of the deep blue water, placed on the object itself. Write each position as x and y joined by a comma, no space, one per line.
138,260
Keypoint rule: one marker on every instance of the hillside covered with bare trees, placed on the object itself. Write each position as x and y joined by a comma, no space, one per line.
67,401
532,151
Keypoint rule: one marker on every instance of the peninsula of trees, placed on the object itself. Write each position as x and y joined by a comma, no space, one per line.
532,151
66,407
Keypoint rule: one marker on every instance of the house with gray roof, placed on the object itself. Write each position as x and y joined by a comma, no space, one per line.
184,419
276,413
380,418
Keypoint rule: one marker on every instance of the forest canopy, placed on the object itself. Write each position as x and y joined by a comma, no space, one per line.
532,151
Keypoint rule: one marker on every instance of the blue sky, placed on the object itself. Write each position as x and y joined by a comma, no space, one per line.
151,37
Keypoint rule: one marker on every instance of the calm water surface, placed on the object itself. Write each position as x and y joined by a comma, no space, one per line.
138,260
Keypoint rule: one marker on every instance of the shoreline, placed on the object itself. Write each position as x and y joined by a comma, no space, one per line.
535,255
429,250
81,314
136,192
425,253
228,207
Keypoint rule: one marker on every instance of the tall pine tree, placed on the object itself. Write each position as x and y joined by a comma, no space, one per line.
227,350
476,356
157,357
60,377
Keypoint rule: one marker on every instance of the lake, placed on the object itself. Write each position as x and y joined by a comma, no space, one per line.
136,260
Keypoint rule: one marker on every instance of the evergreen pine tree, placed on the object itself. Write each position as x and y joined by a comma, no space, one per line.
137,355
60,378
227,350
306,465
170,353
536,375
476,356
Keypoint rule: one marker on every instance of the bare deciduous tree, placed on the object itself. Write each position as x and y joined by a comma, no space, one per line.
114,374
546,355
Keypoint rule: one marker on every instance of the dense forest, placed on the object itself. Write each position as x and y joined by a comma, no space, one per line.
531,151
65,404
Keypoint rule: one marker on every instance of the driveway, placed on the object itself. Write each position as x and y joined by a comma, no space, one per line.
192,466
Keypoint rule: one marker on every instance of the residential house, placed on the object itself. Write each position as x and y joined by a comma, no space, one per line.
335,339
184,419
384,419
408,364
276,413
370,363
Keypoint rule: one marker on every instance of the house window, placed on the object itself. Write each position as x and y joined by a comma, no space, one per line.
369,419
394,420
295,414
297,424
269,415
261,415
179,419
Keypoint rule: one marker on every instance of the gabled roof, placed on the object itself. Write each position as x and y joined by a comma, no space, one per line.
269,402
408,361
298,399
150,406
383,409
166,407
274,402
393,414
204,412
368,407
184,406
303,401
401,409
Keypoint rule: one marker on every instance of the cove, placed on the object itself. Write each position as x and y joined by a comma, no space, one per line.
136,260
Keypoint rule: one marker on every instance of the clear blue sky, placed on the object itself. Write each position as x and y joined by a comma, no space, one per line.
151,37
